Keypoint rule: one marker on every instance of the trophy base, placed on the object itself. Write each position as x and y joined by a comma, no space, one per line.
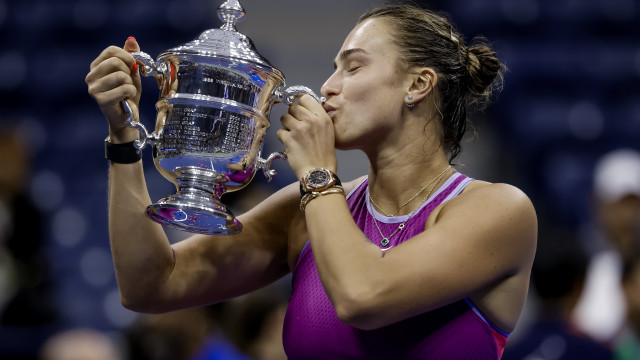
202,215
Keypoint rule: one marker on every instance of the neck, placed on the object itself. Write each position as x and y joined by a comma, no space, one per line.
399,183
404,160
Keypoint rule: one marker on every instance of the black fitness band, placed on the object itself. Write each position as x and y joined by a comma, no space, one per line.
125,153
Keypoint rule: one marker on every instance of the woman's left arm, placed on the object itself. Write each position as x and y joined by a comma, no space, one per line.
483,236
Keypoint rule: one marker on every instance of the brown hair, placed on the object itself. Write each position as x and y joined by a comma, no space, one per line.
467,74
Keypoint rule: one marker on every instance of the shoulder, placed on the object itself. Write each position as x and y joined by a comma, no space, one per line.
480,195
497,193
504,202
501,211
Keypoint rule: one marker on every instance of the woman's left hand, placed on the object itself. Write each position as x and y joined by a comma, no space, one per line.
308,137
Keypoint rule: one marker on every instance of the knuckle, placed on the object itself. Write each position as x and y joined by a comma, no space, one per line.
112,50
114,63
122,78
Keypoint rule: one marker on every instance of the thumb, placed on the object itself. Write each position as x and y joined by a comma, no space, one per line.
131,45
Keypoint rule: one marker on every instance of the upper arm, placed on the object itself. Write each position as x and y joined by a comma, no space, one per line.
214,268
496,221
482,237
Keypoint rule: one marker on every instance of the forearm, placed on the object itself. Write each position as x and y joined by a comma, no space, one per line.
142,255
346,260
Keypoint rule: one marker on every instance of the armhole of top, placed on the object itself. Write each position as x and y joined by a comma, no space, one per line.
485,319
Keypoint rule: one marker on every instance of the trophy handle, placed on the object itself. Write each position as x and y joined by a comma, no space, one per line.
289,97
292,93
265,164
149,66
145,138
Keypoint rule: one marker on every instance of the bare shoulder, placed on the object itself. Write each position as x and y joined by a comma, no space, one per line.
499,193
504,202
482,194
502,212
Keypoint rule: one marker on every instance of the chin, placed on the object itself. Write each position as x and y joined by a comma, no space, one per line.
343,145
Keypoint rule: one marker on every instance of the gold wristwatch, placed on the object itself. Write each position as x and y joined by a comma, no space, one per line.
318,179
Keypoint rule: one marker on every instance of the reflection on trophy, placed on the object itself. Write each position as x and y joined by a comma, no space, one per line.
216,94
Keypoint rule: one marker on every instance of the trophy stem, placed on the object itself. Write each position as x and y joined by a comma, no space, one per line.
195,207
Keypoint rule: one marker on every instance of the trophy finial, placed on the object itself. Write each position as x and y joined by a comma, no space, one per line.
231,12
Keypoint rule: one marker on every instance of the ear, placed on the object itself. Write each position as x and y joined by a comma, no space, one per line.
422,84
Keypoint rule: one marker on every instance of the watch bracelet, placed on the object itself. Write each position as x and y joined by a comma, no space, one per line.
306,199
336,182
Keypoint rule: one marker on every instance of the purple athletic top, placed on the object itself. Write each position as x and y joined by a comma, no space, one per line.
312,329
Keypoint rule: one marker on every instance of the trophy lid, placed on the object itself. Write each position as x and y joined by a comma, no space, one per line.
225,42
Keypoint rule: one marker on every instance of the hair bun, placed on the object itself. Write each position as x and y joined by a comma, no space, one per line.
485,71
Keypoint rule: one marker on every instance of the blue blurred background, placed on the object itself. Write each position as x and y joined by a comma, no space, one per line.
571,94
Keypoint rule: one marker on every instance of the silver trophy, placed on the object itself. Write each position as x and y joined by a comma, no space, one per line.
216,93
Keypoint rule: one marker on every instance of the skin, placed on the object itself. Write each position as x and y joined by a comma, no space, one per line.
479,245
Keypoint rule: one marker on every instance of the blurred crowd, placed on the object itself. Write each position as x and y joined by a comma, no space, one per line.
585,282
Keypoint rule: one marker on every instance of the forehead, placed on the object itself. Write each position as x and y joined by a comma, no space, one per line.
373,36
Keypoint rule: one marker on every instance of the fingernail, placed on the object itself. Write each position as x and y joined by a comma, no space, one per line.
134,67
131,38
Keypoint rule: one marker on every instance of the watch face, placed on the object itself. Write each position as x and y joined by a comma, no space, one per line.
318,178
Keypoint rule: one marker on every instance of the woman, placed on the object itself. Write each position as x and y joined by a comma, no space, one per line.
417,261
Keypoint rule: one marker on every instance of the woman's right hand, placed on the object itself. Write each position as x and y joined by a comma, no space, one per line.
113,78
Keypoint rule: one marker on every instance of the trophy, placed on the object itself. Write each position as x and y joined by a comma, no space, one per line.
216,93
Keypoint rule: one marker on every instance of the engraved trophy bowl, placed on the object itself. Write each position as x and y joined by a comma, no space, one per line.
216,93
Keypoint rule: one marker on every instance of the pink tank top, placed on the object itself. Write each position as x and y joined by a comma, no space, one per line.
312,329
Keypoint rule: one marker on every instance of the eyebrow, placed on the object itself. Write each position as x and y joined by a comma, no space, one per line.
346,53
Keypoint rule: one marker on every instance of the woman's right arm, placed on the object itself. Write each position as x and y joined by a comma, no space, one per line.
153,275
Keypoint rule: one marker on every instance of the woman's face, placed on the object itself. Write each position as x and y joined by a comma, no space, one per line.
365,94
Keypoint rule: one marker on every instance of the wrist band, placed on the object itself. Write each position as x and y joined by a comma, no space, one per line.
306,199
121,153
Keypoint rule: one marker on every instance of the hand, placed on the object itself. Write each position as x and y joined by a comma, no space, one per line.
308,137
112,79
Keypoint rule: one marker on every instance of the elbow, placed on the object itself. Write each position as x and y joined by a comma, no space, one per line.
358,311
132,304
140,305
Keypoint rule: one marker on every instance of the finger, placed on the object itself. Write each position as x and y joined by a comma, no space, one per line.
118,80
106,67
131,45
111,72
113,52
311,104
288,121
283,136
116,95
300,112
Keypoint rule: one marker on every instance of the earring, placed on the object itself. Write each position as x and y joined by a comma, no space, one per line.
409,106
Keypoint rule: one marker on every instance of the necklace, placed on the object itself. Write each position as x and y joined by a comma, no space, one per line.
386,239
439,176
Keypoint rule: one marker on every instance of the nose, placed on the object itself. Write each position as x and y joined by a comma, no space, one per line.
331,86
